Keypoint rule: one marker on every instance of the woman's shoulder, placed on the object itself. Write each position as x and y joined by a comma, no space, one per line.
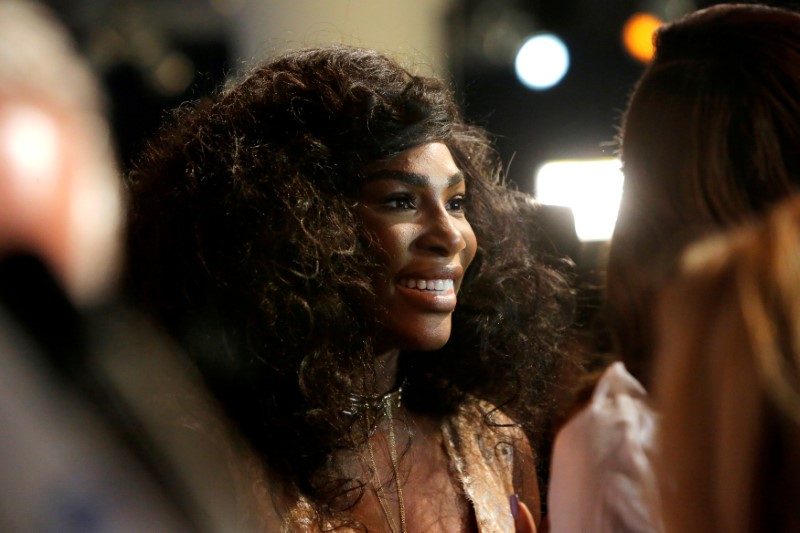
481,437
484,445
483,418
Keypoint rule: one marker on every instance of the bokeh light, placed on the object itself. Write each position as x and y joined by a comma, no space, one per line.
29,142
592,188
637,35
542,61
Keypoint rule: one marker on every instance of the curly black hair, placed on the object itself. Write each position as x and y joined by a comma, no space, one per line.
243,241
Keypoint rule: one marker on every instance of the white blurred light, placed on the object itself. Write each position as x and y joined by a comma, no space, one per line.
542,61
29,140
592,188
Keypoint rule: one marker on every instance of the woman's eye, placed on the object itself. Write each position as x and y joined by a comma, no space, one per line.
458,203
399,202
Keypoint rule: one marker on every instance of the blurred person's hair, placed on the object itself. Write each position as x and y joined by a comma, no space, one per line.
727,381
710,138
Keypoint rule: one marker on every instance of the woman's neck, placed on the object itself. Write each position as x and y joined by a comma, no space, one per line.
385,373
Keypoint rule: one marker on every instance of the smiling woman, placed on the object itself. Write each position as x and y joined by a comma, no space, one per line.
414,205
337,251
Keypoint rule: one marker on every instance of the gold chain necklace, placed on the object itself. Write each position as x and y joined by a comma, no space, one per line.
386,402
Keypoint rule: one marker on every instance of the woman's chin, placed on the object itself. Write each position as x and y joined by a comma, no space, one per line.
426,335
429,342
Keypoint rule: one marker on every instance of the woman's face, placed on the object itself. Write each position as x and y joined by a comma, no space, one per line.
415,205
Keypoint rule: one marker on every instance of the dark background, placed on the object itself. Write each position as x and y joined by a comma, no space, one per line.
126,40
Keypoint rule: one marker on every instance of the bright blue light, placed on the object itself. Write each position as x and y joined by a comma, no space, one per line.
542,61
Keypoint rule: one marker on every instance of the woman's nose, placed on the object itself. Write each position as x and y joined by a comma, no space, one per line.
441,234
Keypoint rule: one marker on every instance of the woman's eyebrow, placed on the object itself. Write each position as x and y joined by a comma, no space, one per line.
413,178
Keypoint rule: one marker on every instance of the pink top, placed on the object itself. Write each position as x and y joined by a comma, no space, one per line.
601,477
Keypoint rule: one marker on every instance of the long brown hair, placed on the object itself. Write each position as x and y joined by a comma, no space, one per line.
711,137
728,381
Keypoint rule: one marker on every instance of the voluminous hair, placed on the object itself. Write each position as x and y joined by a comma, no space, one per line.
244,243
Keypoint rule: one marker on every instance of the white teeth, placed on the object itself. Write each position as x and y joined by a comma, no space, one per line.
430,284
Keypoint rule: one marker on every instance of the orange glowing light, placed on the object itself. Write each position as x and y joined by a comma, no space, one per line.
637,35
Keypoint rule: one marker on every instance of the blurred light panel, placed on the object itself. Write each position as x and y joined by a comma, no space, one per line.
637,35
542,61
592,188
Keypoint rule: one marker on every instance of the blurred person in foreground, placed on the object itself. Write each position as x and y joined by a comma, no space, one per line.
81,447
710,139
727,381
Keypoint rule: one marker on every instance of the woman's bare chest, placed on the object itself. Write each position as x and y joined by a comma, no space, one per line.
429,497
